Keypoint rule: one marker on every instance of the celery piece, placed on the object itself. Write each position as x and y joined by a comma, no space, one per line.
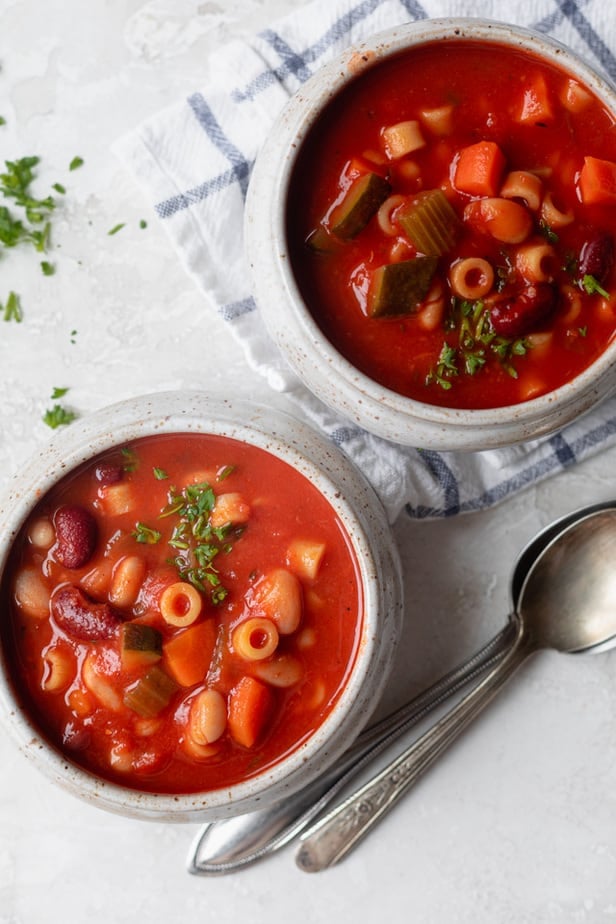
362,200
398,288
430,222
151,693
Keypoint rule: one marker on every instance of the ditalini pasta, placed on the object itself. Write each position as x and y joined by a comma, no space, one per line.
436,226
181,613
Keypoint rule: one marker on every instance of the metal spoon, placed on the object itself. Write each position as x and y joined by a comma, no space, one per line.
567,602
227,845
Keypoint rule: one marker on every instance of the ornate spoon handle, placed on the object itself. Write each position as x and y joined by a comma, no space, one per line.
330,839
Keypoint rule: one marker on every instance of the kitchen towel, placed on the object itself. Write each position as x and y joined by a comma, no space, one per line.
194,160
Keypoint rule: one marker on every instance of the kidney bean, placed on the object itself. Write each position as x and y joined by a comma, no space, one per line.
80,617
517,316
107,473
596,256
76,535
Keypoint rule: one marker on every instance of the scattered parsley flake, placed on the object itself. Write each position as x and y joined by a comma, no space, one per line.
15,188
59,188
12,310
48,268
58,393
143,223
2,120
592,286
117,228
58,416
76,163
145,534
582,331
159,473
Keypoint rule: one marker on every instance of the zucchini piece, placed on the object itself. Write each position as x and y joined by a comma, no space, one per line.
321,241
151,693
139,644
362,200
398,288
430,222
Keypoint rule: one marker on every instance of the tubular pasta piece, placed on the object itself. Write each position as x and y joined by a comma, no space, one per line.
471,278
552,215
180,604
255,639
126,580
41,533
522,184
31,593
402,138
384,214
207,718
573,299
59,670
536,261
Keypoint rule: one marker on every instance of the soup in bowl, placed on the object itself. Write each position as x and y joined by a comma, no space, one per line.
432,233
200,607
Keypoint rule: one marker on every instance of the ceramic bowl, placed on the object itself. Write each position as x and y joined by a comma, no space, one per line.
362,517
320,366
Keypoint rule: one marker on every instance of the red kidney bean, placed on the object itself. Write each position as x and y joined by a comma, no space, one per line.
76,534
80,617
517,316
596,256
108,473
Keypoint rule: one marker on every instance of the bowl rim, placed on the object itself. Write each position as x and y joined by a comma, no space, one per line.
362,516
267,249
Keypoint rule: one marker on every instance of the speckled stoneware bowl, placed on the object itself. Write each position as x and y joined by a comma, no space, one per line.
319,365
363,519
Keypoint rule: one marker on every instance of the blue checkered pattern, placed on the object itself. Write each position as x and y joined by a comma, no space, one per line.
195,163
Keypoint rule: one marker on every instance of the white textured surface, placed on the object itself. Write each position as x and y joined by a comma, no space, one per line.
516,824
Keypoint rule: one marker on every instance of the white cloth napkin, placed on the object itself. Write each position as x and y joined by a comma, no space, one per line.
194,161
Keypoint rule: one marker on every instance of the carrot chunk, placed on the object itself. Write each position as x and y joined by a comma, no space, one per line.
250,706
479,169
188,654
597,181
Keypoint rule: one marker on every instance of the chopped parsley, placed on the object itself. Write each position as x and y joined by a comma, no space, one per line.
76,163
11,311
2,120
117,228
145,534
131,459
48,268
593,286
59,188
195,541
143,223
58,416
159,473
32,225
475,341
58,393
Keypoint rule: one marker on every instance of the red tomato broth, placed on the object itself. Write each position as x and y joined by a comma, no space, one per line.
148,753
484,96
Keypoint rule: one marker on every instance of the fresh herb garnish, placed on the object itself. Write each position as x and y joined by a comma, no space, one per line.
15,187
48,268
75,163
131,462
159,473
58,393
548,233
145,534
592,286
117,228
2,120
143,223
195,540
58,416
12,310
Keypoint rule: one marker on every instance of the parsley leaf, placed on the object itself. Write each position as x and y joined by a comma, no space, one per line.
48,268
76,163
145,534
592,286
117,228
58,393
12,310
159,473
58,416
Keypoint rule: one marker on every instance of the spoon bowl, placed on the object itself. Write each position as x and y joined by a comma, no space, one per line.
567,602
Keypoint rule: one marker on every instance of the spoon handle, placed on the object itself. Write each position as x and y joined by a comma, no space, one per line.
231,844
331,838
